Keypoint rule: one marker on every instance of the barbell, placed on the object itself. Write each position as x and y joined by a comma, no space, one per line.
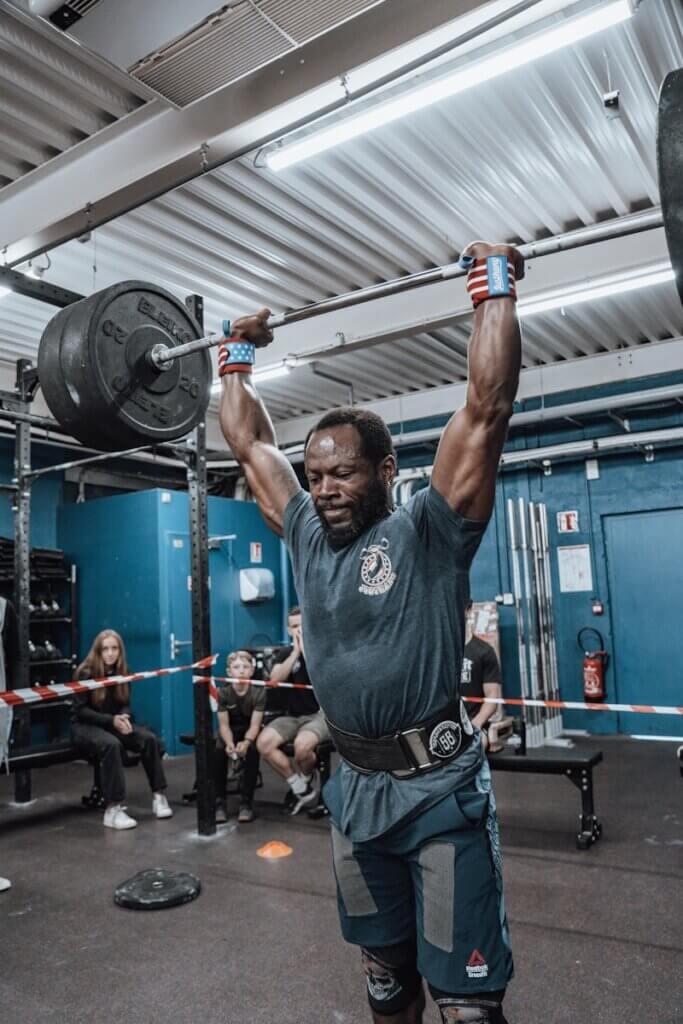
127,366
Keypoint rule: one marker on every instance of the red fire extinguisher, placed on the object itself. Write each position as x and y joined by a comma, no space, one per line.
594,665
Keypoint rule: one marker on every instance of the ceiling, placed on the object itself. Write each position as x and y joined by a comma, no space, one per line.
520,158
54,94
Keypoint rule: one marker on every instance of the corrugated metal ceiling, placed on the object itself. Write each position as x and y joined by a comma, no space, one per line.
520,158
237,39
54,95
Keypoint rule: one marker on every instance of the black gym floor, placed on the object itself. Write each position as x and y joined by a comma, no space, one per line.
597,935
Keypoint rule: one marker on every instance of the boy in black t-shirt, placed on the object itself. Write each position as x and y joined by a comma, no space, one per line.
240,716
301,723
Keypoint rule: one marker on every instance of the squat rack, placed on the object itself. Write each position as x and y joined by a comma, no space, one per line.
15,407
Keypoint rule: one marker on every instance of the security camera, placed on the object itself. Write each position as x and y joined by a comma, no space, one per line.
610,101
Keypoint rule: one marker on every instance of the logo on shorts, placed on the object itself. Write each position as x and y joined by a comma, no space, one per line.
376,571
477,966
445,739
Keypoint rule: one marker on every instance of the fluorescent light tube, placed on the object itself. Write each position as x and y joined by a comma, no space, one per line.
4,292
271,372
539,45
601,288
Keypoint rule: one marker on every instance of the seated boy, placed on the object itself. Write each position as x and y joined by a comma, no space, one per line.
240,716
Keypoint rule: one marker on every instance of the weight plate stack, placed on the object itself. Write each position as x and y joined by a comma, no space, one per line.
96,377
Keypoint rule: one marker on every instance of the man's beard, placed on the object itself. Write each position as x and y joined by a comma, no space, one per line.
373,506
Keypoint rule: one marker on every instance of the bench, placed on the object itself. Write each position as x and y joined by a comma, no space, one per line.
58,751
576,766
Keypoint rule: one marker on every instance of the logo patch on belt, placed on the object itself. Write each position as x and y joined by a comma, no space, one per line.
445,739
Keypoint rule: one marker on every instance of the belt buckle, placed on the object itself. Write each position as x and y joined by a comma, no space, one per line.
413,746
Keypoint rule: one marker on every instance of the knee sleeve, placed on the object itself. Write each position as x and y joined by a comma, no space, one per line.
392,977
480,1008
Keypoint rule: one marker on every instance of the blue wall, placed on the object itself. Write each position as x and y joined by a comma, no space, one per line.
47,496
130,579
626,484
133,555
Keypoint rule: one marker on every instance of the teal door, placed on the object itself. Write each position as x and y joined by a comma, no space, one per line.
645,574
175,577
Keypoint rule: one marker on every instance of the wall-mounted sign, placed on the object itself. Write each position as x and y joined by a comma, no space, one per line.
574,565
568,522
256,551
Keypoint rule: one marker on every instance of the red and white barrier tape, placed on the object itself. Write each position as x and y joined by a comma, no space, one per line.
568,705
577,705
34,694
269,683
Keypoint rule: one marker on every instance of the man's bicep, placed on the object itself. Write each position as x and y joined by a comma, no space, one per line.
466,465
271,480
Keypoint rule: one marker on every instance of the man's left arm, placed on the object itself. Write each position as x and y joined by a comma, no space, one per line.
466,462
487,710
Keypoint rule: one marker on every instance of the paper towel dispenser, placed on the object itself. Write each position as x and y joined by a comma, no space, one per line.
256,585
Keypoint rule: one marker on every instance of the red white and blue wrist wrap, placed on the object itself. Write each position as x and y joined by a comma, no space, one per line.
491,277
235,355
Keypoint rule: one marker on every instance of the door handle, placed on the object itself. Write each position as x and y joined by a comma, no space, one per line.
176,645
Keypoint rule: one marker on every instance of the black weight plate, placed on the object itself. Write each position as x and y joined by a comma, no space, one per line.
54,386
97,381
156,889
670,164
144,405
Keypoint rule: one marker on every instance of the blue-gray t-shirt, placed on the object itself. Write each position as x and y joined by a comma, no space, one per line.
383,627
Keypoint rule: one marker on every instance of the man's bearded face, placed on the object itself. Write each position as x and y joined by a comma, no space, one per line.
349,493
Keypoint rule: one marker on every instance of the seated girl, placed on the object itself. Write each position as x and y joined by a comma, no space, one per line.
102,726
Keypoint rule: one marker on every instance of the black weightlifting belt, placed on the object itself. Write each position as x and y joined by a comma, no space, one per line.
411,751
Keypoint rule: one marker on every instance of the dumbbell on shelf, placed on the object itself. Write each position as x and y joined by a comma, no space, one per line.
52,653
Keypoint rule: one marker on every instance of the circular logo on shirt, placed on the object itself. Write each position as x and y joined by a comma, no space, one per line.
376,571
445,739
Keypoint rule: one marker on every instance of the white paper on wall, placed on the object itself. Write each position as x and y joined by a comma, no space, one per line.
574,564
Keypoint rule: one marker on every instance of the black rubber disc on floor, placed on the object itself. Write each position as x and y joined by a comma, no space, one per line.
156,889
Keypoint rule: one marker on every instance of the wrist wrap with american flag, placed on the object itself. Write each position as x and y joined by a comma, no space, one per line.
489,277
235,355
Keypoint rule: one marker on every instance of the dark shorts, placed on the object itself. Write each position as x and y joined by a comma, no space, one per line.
435,879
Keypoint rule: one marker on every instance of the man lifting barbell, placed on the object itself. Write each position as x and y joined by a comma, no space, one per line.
414,831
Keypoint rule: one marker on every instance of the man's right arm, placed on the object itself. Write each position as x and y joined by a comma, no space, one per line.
225,731
248,429
282,670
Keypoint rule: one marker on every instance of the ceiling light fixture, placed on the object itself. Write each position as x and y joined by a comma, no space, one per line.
272,372
539,45
599,288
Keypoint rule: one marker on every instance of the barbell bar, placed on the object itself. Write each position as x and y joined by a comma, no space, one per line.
127,366
162,357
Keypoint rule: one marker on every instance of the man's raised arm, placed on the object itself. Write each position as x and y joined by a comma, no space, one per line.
246,424
466,462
